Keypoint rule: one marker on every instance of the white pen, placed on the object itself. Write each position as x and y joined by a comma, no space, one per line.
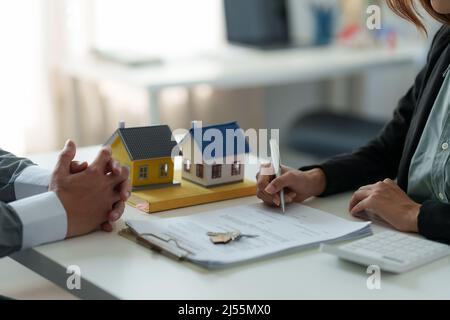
276,163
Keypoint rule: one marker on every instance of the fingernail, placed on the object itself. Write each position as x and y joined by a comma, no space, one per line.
115,216
66,145
276,201
270,189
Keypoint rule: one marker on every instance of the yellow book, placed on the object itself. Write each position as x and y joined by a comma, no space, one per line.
188,194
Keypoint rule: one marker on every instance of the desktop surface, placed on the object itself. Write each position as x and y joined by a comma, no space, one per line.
113,267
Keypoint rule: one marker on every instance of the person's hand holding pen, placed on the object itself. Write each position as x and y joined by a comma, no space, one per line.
298,185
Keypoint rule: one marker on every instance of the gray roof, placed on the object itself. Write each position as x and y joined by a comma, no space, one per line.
146,142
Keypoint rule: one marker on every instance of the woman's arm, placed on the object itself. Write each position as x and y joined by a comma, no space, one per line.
377,160
380,158
372,163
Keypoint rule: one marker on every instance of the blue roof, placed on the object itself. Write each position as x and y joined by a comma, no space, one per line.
224,129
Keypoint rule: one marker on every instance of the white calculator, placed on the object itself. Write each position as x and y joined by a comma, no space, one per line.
392,251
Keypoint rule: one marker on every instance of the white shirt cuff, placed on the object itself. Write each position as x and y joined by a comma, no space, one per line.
31,181
43,219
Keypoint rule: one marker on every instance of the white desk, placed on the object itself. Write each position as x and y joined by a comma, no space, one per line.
113,267
18,282
243,68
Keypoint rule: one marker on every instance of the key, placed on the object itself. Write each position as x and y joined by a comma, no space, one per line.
221,237
245,236
226,237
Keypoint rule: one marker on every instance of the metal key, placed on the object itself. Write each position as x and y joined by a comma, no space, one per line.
226,237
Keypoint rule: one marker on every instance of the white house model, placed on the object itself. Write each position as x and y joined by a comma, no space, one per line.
214,155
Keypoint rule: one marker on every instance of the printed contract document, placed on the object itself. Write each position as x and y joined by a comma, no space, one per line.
301,227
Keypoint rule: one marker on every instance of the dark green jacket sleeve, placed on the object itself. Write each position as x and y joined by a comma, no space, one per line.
434,221
10,168
10,224
10,230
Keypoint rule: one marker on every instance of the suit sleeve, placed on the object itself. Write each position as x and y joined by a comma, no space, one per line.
30,215
20,178
10,230
10,169
434,221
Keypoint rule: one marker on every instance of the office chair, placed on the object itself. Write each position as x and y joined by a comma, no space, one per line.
325,133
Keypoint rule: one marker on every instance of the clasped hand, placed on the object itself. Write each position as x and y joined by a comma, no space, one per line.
93,195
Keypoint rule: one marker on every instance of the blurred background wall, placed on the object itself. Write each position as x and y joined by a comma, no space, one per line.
45,43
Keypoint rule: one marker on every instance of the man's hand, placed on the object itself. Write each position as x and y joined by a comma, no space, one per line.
298,185
388,201
124,189
94,195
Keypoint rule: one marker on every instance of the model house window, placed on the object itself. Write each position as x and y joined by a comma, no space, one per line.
143,172
199,170
216,171
187,165
236,168
164,170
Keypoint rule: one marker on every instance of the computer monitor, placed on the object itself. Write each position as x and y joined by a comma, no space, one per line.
259,23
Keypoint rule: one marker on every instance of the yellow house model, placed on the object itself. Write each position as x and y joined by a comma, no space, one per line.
147,152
